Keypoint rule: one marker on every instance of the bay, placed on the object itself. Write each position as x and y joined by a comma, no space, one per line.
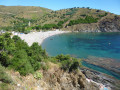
84,45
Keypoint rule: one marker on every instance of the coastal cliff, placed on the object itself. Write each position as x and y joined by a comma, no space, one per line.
106,24
111,24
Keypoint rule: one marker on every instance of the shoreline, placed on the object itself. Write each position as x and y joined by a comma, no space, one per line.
39,37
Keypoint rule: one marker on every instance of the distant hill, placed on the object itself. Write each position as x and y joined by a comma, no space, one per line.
24,11
8,14
80,19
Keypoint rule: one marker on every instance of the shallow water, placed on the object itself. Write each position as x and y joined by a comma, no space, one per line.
100,69
83,45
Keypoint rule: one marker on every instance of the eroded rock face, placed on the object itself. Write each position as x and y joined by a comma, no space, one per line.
93,27
60,80
110,24
101,78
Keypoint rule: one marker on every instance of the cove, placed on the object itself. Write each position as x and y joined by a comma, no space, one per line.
83,45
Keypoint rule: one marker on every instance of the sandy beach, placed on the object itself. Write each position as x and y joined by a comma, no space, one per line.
39,37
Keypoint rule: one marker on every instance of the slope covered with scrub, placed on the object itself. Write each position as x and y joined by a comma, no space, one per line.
24,67
26,18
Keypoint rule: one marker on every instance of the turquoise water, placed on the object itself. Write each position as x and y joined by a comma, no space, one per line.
100,69
83,45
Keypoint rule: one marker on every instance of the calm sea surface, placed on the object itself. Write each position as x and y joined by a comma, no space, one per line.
83,45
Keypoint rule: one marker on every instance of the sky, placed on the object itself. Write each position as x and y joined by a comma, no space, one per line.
112,6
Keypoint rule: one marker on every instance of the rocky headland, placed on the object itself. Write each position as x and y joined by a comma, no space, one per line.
106,24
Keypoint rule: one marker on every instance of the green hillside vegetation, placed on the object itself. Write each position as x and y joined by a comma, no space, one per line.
88,19
17,55
29,12
5,78
12,15
17,18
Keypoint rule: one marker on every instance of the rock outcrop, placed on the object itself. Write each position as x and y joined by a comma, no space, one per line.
99,77
93,27
53,79
110,24
58,79
105,24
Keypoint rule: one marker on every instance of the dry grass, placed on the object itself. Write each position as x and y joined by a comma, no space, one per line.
29,82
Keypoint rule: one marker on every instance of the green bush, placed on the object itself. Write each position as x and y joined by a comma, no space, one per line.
4,59
44,66
4,86
68,63
88,19
16,38
49,26
103,15
17,55
62,57
38,75
21,63
4,77
72,11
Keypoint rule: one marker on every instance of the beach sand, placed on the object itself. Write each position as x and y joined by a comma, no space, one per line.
32,37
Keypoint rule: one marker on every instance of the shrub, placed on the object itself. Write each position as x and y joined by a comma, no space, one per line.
4,59
21,63
4,77
44,66
4,86
68,63
74,66
62,57
88,19
16,54
72,11
16,38
38,75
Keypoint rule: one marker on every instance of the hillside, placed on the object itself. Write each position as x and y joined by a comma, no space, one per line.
29,67
10,14
26,18
29,12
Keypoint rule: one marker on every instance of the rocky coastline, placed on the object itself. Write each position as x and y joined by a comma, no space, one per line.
106,24
107,64
102,78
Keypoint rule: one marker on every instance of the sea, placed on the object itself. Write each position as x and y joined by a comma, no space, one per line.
83,45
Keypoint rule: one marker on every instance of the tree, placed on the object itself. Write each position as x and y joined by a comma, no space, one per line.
21,63
1,43
15,38
16,54
4,59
